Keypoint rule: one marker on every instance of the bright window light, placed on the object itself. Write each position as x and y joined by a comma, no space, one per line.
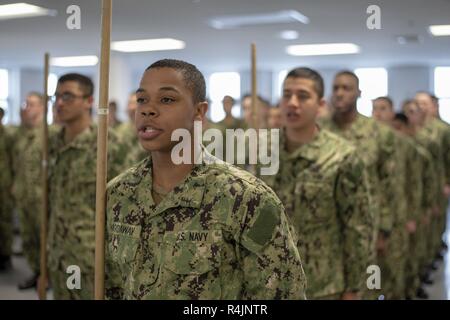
52,82
4,87
444,109
278,83
4,93
373,83
222,84
442,82
148,45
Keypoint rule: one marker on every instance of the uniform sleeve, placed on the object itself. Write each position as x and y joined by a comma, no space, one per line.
269,257
357,221
113,281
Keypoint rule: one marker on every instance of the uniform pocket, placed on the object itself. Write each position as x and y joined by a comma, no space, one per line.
191,261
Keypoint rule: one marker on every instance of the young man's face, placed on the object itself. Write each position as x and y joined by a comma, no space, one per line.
165,104
71,102
425,103
227,104
33,109
345,94
274,120
382,111
300,103
414,114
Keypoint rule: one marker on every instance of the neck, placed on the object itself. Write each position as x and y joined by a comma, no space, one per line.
167,174
73,129
298,137
344,120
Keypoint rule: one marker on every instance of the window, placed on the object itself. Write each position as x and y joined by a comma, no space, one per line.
4,93
442,91
278,81
223,84
373,83
51,88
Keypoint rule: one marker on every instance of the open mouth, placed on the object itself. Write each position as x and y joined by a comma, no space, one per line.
148,132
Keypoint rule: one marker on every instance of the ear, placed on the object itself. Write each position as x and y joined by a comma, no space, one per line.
201,109
322,103
359,93
90,101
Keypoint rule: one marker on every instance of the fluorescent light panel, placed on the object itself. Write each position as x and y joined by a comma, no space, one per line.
236,21
322,49
78,61
440,30
22,10
148,45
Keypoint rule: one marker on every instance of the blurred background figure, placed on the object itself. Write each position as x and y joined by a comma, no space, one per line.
113,121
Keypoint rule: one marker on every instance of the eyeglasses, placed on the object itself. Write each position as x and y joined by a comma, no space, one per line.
66,97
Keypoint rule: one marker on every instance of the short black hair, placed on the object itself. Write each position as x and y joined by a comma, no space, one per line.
307,73
400,116
231,98
193,78
85,83
348,73
388,100
2,113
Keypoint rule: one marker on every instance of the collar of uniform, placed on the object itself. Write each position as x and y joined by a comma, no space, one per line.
309,151
189,193
82,141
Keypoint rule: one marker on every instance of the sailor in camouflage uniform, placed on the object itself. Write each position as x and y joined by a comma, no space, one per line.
376,146
72,183
323,185
193,231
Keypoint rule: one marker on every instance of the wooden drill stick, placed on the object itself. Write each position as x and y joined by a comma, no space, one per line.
44,213
102,151
255,105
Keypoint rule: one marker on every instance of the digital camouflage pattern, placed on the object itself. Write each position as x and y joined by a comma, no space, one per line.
127,135
324,187
375,144
6,203
72,183
220,234
431,137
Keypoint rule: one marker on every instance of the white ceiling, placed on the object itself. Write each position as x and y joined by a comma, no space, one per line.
24,41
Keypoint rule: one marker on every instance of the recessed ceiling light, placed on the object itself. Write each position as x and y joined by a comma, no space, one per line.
289,35
440,30
236,21
322,49
76,61
148,45
23,10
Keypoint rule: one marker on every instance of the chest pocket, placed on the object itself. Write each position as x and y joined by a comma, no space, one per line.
191,261
124,242
313,202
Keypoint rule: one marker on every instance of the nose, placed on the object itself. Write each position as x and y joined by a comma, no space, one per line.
293,101
148,111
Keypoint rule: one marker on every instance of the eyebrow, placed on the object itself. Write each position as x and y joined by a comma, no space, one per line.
142,90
